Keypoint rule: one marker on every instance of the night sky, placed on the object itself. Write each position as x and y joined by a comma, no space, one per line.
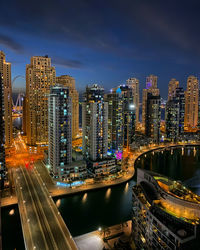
105,42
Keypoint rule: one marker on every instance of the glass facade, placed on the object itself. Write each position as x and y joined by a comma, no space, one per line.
60,131
95,123
153,117
175,111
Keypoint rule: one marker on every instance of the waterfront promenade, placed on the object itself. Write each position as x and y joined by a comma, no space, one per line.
106,238
127,175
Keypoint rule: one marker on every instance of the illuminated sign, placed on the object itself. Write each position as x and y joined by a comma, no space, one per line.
118,155
149,85
73,184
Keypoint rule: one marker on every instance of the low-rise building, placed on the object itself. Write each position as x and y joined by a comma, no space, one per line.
102,167
77,170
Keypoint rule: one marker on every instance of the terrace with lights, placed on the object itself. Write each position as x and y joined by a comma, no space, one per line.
166,204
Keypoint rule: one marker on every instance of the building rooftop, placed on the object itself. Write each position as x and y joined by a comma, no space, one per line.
176,188
179,219
179,228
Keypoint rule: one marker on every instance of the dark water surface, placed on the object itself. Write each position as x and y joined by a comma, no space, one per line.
86,212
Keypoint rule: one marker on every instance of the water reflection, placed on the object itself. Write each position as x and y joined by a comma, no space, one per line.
100,204
58,202
177,163
84,198
12,212
195,151
108,193
126,188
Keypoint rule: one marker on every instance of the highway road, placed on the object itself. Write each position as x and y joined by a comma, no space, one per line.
42,224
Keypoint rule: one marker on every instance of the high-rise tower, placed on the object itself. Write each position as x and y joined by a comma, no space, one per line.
40,76
115,121
95,123
68,81
5,70
60,132
153,117
121,118
173,85
175,111
129,111
133,83
191,103
151,87
24,116
2,135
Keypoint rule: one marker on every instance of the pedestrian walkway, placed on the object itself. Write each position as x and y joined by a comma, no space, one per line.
106,238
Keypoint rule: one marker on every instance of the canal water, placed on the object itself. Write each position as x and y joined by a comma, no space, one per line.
86,212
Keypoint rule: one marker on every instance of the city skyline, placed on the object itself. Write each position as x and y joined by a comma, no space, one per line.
19,84
109,48
99,125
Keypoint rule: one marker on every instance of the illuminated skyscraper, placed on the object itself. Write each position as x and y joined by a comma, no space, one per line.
60,132
115,121
133,83
198,125
5,70
69,82
95,132
129,110
40,76
121,118
95,123
191,103
173,85
151,87
151,83
24,116
2,135
175,111
153,117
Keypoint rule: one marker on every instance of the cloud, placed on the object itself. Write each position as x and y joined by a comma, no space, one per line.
170,24
67,63
80,22
10,43
130,29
